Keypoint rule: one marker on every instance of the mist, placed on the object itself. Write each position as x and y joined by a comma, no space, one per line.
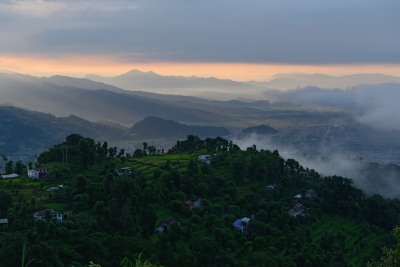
372,178
372,105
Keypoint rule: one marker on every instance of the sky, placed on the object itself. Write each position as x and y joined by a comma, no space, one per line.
235,39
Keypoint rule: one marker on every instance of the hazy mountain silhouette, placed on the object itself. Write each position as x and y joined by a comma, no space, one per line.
260,129
210,88
156,127
295,80
97,104
27,131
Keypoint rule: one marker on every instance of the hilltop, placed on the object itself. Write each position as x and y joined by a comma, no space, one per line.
153,127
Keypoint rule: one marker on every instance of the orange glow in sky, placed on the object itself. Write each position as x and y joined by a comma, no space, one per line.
80,66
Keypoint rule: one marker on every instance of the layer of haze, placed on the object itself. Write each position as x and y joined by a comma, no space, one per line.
372,178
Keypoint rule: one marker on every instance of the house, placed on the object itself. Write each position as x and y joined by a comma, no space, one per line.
241,224
4,221
41,214
206,158
193,204
166,224
9,176
271,186
125,170
298,209
37,173
298,196
57,216
55,188
311,193
62,216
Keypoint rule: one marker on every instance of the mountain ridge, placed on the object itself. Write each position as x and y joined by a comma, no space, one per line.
152,126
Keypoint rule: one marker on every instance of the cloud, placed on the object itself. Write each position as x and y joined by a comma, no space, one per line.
48,8
253,31
379,106
372,178
374,105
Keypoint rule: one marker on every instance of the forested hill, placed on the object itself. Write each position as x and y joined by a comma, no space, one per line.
157,127
23,131
204,203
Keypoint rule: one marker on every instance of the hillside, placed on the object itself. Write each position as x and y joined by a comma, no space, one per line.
155,127
27,133
242,209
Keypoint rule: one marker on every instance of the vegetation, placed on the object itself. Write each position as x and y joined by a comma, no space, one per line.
117,206
391,256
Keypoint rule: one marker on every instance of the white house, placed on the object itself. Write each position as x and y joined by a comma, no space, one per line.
37,173
241,224
206,158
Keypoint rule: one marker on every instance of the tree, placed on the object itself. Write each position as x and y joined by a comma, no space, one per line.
73,139
9,167
138,153
121,153
86,152
81,203
152,150
19,167
144,147
11,249
5,203
104,147
391,256
81,185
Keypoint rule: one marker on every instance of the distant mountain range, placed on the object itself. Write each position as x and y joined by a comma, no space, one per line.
64,96
210,88
296,80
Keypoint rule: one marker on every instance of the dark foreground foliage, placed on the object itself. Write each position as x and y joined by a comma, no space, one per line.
145,211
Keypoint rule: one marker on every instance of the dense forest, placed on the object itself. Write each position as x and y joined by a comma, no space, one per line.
203,203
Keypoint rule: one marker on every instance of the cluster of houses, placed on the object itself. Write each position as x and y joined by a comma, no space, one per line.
171,220
241,224
56,216
37,173
300,209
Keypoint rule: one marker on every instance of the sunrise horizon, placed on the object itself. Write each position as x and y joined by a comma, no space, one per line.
240,71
